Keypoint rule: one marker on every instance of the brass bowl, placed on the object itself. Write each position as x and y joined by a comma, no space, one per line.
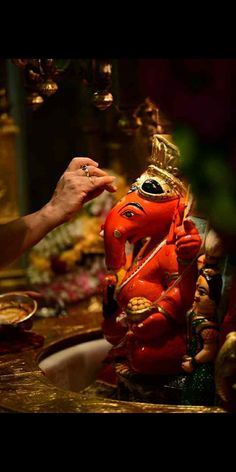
16,308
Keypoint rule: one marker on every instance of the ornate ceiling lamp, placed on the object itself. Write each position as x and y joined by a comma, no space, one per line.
102,82
40,75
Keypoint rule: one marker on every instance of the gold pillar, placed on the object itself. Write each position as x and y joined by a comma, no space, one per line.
13,274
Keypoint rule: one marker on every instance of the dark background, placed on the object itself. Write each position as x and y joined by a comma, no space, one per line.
197,94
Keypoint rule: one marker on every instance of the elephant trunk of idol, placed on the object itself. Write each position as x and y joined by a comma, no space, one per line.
114,242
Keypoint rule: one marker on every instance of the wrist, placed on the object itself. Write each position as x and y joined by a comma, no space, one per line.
52,215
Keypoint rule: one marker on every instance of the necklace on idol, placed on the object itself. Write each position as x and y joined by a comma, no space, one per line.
137,270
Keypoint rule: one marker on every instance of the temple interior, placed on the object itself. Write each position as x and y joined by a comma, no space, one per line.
129,305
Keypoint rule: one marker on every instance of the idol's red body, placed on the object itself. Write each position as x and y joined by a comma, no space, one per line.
156,345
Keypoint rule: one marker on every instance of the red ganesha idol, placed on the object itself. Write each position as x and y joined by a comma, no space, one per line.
148,291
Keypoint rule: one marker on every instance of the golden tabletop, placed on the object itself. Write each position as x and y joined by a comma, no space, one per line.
25,388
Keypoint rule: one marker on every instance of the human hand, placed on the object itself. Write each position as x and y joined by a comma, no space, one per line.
76,187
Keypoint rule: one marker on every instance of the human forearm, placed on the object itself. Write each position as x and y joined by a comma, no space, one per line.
74,188
19,235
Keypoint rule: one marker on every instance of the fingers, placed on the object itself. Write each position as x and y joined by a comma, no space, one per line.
105,181
111,188
93,173
96,185
80,161
96,171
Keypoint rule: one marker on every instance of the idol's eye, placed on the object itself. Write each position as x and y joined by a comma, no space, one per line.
152,186
128,214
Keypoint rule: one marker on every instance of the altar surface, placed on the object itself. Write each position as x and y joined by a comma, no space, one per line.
24,388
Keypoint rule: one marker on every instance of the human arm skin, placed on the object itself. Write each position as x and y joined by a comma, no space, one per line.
73,189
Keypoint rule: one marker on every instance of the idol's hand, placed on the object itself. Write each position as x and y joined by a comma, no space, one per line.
188,240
